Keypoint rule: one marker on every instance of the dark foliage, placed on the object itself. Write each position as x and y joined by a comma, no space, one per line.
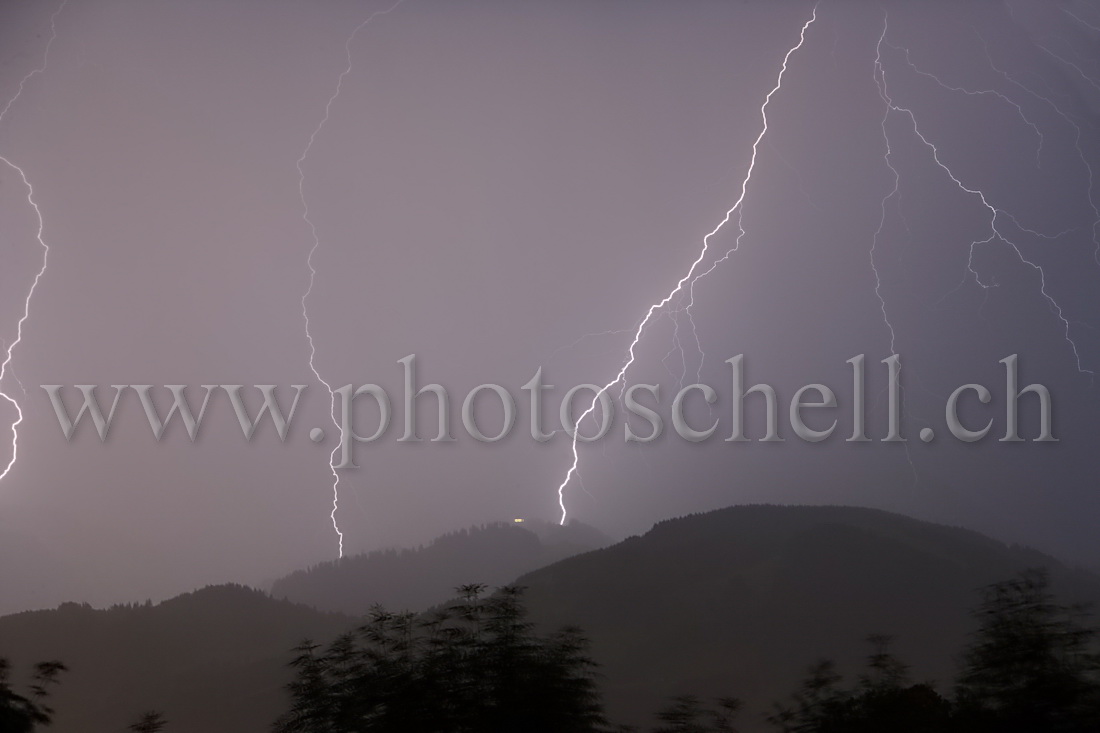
1032,665
150,722
477,666
884,700
687,714
23,713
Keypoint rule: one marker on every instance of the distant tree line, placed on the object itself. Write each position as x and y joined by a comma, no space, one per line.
480,666
475,666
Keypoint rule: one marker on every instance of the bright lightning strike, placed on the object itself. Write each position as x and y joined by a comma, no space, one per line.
691,277
4,366
23,318
300,165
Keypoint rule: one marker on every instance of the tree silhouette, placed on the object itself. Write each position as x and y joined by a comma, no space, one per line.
150,722
687,714
23,713
1031,666
884,700
477,666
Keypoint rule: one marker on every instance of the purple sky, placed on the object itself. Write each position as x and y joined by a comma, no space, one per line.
494,181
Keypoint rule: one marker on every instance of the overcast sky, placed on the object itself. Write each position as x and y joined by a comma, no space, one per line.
494,181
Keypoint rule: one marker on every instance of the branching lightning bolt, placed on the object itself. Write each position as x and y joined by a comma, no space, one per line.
995,213
316,244
1077,144
691,277
974,93
41,225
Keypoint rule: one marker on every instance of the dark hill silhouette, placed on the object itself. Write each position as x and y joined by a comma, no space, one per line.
213,660
740,601
494,554
733,602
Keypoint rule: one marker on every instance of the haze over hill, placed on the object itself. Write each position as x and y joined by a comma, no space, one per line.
740,601
21,583
214,660
737,601
494,554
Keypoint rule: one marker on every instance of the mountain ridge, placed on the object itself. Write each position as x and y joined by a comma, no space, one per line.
417,578
737,601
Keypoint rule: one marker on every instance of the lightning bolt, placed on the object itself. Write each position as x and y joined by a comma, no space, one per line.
888,158
1080,72
690,278
41,225
895,191
1080,20
316,244
973,93
1076,142
996,214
